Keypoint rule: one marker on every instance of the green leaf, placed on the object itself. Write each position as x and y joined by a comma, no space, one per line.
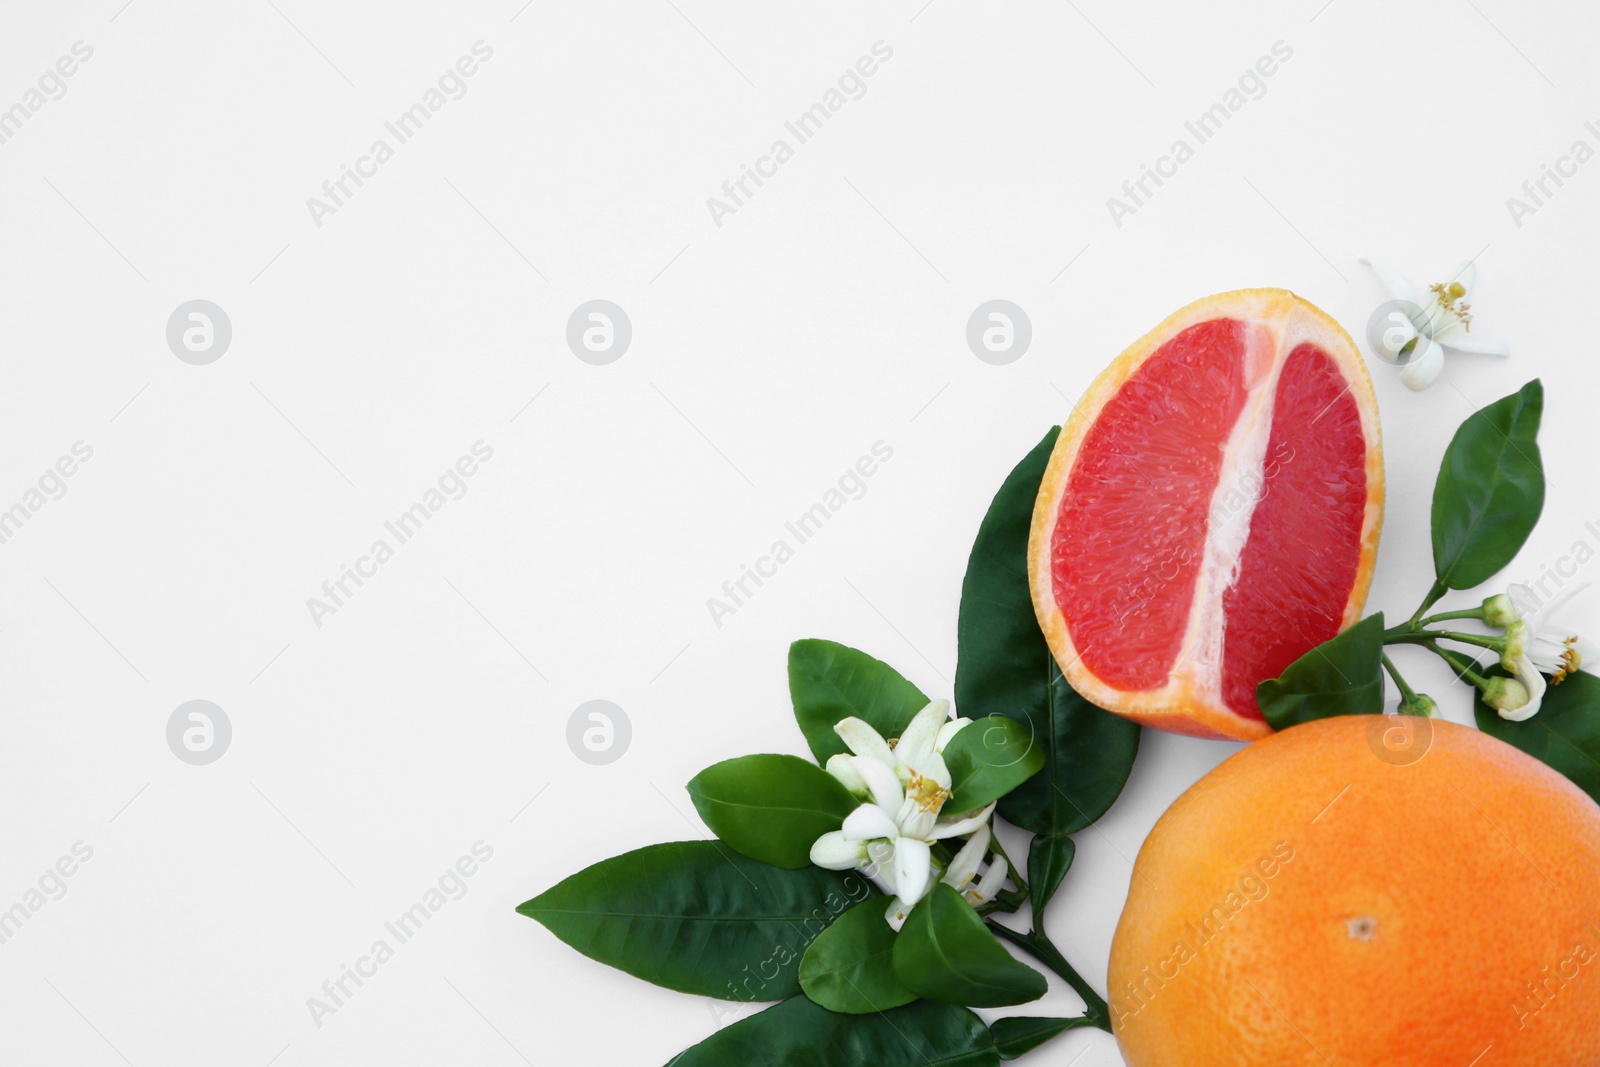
1048,859
1490,490
944,952
1005,668
988,759
1564,734
770,807
1341,676
850,966
798,1033
1020,1034
697,917
829,681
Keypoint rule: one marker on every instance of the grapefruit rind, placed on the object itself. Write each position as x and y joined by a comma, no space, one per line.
1191,702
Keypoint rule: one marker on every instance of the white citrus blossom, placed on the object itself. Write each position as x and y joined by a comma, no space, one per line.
1443,319
903,786
1518,702
1555,649
1534,647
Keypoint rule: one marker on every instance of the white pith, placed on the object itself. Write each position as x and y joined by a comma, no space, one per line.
1243,472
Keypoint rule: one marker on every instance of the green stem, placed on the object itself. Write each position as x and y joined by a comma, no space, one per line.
1407,694
1462,665
1039,946
1482,641
1464,613
1436,591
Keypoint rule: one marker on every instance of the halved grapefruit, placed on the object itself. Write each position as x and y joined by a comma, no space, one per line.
1210,512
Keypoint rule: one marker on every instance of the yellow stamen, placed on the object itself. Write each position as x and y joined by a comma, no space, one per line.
1448,295
926,793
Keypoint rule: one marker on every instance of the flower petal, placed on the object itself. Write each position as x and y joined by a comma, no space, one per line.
881,783
911,868
863,740
841,767
935,767
1423,370
897,914
966,862
837,853
880,865
867,823
1394,283
956,825
916,744
992,881
948,731
1452,334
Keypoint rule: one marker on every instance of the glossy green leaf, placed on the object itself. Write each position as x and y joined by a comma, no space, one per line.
829,681
1490,490
1341,676
1021,1034
945,952
850,966
1004,667
798,1033
698,917
770,807
1565,733
1049,856
988,759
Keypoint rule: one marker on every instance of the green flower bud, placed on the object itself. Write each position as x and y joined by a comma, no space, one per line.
1498,610
1505,694
1516,645
1419,704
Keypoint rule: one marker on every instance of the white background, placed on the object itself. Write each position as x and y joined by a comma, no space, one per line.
769,353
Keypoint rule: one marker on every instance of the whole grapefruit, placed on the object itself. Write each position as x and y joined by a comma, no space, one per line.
1366,890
